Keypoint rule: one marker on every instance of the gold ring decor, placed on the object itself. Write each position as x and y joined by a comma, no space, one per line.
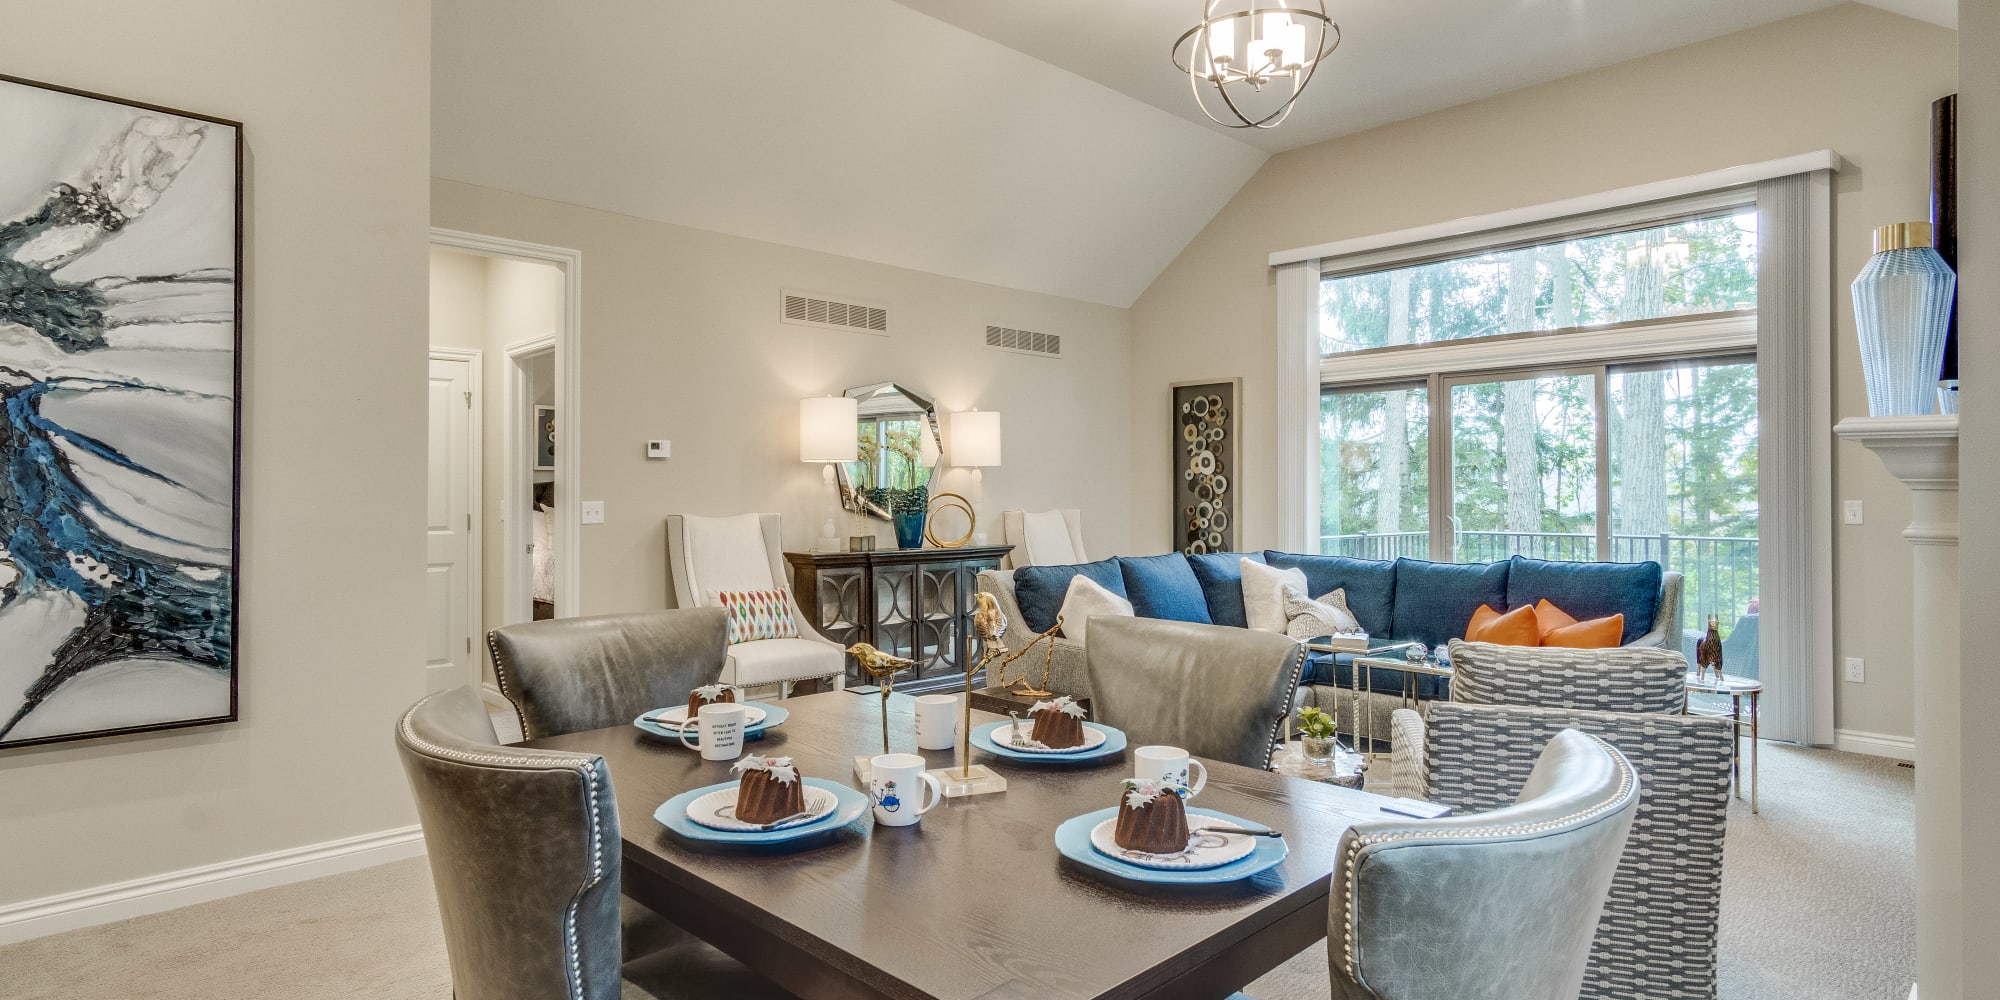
930,520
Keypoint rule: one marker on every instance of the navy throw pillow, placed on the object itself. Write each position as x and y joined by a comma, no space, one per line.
1221,576
1435,601
1040,589
1164,587
1370,584
1586,590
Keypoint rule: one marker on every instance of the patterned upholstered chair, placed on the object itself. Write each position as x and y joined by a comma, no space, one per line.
1043,537
710,556
530,900
1657,937
1217,692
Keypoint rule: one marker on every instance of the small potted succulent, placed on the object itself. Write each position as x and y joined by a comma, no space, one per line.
1316,729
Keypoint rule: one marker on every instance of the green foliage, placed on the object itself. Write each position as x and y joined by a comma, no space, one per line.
899,501
1315,724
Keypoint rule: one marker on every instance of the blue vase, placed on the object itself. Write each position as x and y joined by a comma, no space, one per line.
1902,308
910,529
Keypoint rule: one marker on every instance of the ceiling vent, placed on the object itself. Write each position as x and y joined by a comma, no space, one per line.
807,309
1041,345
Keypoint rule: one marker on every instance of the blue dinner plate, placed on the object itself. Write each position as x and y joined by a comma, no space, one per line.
774,715
848,807
1073,840
1114,743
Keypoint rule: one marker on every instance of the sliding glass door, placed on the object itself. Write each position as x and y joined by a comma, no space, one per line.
1524,467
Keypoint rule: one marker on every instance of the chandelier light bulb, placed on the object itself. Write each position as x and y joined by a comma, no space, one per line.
1271,47
1221,44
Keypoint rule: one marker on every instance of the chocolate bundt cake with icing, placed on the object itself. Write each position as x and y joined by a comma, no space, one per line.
770,789
712,694
1058,723
1151,818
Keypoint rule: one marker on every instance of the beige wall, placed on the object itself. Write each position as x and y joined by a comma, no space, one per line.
682,340
1791,87
1979,461
332,484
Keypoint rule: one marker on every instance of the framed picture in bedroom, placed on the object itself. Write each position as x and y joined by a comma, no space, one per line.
544,436
121,306
1205,482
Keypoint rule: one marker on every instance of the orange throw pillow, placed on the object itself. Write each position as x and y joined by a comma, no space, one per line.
1559,629
1515,628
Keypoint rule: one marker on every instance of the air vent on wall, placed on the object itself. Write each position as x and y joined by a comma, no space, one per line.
806,309
1004,338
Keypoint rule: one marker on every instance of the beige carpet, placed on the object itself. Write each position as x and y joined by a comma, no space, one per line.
1816,906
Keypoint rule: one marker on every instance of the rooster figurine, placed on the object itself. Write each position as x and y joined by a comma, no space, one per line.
1708,652
884,669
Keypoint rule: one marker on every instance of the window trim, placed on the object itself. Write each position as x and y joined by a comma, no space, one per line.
1625,343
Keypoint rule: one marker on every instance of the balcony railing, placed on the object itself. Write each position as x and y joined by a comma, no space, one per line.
1721,573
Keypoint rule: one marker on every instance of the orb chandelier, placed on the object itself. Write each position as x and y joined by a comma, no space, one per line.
1234,53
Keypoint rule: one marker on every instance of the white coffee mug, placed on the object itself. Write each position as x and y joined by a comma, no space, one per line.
720,725
937,721
894,781
1169,764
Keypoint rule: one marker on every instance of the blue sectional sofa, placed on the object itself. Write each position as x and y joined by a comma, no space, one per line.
1402,599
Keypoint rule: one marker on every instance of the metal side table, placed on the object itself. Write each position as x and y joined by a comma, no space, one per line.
1736,689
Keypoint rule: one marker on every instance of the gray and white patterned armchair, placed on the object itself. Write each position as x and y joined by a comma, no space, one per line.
1657,937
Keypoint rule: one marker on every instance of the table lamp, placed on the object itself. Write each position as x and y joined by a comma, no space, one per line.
975,443
827,435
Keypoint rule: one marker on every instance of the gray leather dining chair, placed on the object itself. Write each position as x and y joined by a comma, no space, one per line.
524,852
1216,692
567,675
1493,905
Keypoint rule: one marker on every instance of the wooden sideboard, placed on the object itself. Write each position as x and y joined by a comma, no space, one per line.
915,603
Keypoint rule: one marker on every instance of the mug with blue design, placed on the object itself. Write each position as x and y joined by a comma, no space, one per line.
895,784
1170,764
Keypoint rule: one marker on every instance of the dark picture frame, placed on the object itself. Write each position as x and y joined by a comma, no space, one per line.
1206,487
156,195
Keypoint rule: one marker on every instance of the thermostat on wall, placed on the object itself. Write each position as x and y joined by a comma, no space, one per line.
659,449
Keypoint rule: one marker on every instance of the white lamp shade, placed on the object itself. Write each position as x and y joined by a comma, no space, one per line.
827,429
975,438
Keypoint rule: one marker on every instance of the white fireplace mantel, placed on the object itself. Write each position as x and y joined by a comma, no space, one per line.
1923,453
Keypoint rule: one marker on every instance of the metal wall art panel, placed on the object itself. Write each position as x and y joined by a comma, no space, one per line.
1205,480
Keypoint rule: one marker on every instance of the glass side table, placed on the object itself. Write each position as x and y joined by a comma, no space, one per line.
1346,769
1736,689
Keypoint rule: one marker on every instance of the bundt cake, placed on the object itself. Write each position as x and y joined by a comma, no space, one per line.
770,789
1152,818
1058,723
712,694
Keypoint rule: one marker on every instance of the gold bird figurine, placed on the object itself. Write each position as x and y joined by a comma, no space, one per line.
987,619
1708,652
884,669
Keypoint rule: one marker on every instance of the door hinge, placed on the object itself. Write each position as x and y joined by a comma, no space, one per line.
468,522
468,399
468,645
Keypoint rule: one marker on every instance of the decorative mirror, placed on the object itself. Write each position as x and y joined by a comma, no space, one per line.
900,446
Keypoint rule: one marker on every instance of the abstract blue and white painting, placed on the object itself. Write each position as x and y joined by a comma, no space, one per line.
119,317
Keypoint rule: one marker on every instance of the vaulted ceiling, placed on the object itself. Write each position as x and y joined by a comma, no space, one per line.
1046,145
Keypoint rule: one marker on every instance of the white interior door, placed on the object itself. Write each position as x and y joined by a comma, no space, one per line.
451,648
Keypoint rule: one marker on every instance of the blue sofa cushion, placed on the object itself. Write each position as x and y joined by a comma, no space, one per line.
1164,587
1588,590
1370,584
1221,576
1040,589
1435,601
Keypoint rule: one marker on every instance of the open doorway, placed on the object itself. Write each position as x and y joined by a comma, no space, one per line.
511,308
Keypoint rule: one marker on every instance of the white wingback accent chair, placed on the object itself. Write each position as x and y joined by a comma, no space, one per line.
709,555
1043,537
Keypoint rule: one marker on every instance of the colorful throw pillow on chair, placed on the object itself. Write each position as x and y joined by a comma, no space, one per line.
758,614
1515,628
1558,628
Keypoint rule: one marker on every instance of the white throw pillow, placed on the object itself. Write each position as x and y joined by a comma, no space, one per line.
1264,594
1087,597
1310,619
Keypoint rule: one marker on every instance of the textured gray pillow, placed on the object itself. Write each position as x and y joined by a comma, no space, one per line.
1309,619
1621,679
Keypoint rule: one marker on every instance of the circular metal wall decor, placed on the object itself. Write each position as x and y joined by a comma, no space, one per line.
1201,415
944,501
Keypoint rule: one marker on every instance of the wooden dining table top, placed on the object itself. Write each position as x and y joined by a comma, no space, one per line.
974,901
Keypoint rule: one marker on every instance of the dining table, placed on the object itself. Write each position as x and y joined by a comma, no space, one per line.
974,902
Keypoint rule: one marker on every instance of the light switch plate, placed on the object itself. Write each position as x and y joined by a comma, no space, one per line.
593,512
1852,510
1855,674
659,449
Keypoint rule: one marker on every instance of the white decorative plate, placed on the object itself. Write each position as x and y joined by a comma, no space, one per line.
1205,850
1092,739
677,717
717,810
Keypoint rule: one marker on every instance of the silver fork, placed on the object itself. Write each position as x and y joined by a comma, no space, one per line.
1014,736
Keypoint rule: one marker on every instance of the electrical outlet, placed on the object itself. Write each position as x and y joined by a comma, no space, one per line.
1853,511
659,449
1854,672
593,512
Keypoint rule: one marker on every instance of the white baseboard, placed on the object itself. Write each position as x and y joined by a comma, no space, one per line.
122,900
1876,744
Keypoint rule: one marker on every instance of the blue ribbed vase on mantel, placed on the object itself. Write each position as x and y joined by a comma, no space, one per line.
1902,308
